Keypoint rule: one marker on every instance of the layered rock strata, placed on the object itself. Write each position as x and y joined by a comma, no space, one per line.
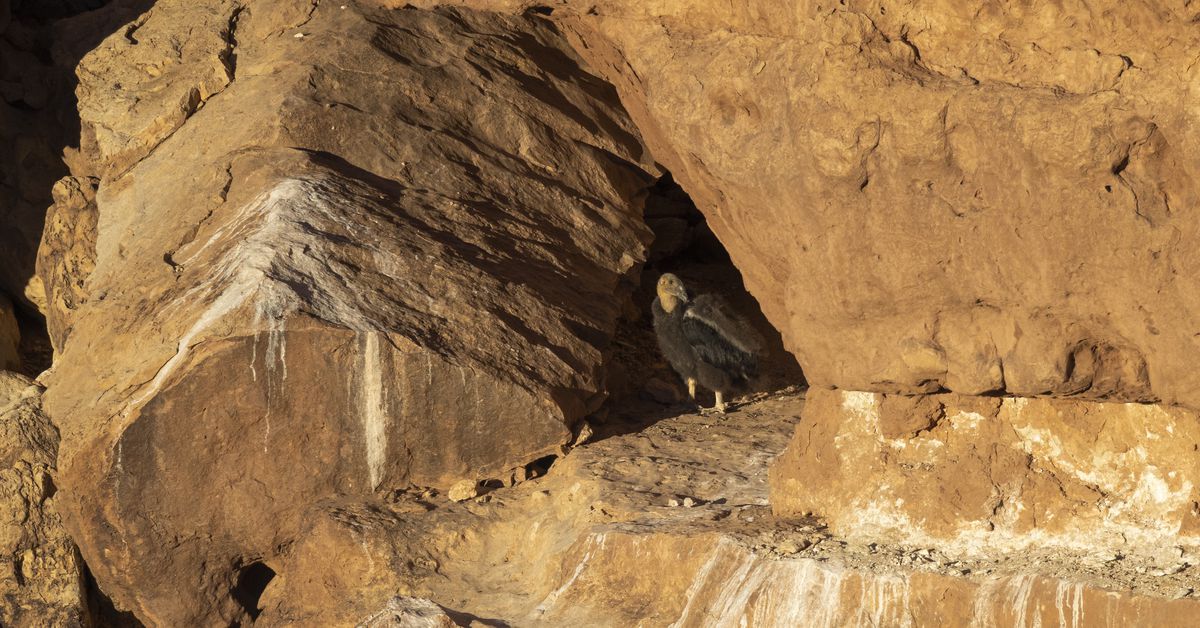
669,527
990,476
337,251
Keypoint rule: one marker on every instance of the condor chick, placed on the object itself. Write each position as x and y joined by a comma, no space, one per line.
703,340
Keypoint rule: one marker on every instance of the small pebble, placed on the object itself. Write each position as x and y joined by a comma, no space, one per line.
298,35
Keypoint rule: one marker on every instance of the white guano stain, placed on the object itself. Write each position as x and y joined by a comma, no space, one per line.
268,247
373,407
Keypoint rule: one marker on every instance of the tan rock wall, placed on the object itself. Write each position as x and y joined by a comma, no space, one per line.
992,475
921,194
381,248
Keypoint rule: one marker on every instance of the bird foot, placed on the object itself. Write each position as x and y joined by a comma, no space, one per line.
718,407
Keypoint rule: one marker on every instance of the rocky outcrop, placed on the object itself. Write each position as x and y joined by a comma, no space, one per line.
507,557
981,198
68,252
668,527
715,581
988,476
41,576
337,252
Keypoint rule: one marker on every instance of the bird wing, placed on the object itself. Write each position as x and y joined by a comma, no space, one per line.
717,315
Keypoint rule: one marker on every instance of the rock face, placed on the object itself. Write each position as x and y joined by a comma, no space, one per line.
987,476
983,198
68,252
338,251
717,582
41,576
596,542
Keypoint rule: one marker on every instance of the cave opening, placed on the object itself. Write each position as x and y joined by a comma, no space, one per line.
252,580
643,387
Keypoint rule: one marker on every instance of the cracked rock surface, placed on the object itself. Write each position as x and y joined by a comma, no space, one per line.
596,542
41,575
970,196
336,251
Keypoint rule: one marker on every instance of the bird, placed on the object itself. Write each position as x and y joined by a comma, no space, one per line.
703,340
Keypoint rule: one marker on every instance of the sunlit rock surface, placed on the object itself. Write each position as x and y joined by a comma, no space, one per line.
981,197
376,248
988,476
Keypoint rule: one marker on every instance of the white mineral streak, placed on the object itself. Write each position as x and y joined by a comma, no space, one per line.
1010,602
737,587
375,416
259,257
595,544
1145,515
1069,595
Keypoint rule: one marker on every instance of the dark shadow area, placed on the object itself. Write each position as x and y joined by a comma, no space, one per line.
540,467
643,386
35,349
252,580
466,619
103,613
42,42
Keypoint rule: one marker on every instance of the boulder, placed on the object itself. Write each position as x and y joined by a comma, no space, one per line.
385,247
41,575
978,476
927,195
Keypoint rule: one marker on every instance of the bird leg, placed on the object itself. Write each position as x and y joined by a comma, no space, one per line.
691,388
718,407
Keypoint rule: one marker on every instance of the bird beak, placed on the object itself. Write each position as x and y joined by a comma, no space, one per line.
680,292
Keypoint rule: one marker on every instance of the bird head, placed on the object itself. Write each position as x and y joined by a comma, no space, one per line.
671,291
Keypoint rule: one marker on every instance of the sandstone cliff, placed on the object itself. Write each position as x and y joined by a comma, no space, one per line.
975,197
307,265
